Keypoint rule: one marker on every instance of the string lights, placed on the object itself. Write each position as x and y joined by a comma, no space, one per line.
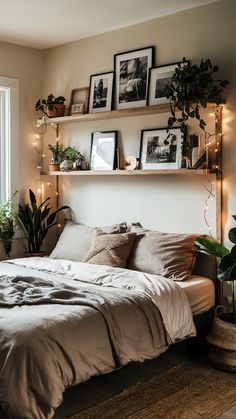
213,152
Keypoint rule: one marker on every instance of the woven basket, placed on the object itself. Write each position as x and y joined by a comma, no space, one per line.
222,340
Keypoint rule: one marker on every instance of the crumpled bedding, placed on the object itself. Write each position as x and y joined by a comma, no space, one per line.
62,322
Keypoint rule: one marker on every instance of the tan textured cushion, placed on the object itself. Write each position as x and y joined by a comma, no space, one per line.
110,249
166,254
75,240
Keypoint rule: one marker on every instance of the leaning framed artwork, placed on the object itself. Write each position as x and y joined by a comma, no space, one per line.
159,77
101,92
131,77
103,150
160,149
79,101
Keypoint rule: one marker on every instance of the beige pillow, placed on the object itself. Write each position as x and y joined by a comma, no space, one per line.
110,249
166,254
75,240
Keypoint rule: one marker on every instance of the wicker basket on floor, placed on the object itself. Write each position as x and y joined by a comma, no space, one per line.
222,340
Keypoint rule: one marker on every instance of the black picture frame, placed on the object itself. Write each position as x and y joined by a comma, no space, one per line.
167,70
109,156
161,160
132,92
104,100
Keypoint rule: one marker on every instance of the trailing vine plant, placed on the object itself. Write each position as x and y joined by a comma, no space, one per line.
192,87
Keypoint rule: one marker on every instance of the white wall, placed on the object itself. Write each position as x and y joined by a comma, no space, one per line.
168,203
24,64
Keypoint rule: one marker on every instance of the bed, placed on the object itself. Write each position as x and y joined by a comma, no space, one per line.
64,321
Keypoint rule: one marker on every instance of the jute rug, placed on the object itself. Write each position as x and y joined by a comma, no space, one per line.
176,393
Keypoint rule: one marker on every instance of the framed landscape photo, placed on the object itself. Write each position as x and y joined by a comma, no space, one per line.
79,101
101,92
131,77
160,149
103,150
158,79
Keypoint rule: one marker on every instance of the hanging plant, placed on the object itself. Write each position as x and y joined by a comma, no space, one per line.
7,225
191,87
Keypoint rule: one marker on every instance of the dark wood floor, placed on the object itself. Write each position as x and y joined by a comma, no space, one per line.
104,387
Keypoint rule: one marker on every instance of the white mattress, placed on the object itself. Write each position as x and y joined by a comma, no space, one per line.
200,292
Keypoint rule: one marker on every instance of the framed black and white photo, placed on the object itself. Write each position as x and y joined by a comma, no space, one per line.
160,149
103,150
131,75
158,79
101,92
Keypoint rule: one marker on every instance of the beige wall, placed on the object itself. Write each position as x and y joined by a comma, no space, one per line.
26,64
165,203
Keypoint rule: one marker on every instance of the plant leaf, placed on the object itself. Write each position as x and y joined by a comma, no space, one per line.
211,247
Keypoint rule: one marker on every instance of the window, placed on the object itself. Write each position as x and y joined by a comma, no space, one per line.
9,96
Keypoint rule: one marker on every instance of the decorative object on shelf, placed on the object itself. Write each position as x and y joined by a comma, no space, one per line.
37,220
131,75
190,87
101,92
222,337
7,225
52,106
103,150
128,163
70,155
80,163
79,101
57,155
160,149
159,77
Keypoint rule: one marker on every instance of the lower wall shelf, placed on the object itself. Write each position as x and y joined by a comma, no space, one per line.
185,172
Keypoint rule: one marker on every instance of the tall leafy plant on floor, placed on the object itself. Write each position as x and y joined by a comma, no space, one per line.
227,260
7,225
37,220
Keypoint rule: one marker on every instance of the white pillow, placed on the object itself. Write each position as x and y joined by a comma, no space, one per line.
75,240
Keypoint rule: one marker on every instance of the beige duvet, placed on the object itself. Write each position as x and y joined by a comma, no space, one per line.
62,322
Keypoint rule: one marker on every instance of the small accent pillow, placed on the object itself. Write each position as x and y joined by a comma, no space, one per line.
110,249
166,254
75,240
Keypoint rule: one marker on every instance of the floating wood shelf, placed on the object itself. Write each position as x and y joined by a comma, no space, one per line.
120,113
185,172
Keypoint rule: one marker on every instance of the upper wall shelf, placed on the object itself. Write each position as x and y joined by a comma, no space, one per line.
120,113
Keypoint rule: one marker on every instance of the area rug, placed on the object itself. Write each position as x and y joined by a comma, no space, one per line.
176,393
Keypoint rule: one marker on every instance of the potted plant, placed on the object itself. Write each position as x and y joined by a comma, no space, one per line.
57,155
222,338
70,155
37,220
7,225
191,87
52,106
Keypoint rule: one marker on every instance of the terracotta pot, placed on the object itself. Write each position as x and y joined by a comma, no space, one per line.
37,254
58,110
54,167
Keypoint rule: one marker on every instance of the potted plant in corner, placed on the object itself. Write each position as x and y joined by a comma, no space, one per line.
222,338
57,155
190,87
7,225
52,106
37,220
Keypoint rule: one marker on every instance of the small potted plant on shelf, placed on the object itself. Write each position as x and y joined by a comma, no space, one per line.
36,221
52,106
57,156
191,87
70,155
7,225
222,338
